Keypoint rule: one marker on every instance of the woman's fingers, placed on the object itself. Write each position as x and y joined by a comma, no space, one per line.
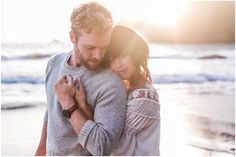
62,79
80,93
81,85
70,83
77,85
60,82
69,80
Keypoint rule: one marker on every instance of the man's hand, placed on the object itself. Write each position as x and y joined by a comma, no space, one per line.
65,91
41,150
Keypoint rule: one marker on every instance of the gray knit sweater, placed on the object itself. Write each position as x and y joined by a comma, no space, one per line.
106,93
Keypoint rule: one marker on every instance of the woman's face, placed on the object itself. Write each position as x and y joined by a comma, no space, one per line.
123,66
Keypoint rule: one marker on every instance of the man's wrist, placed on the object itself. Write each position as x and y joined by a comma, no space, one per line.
68,104
82,105
67,113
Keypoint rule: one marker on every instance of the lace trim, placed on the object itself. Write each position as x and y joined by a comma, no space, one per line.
144,93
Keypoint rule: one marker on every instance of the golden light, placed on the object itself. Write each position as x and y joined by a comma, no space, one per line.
161,12
146,11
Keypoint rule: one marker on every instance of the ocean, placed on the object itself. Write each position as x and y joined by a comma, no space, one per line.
196,86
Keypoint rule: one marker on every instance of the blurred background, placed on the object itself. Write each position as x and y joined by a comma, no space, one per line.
192,62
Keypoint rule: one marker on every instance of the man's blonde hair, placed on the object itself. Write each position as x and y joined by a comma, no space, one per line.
91,17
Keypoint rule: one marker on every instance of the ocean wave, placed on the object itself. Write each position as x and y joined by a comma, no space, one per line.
13,51
39,56
157,79
210,56
28,56
33,45
199,78
22,79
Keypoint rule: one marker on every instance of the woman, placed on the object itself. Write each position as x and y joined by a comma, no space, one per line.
127,56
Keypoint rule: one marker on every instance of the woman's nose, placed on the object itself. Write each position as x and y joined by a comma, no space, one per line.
119,62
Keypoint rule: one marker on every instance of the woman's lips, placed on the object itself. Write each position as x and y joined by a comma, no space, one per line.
122,71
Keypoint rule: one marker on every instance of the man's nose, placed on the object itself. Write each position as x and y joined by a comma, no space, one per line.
98,54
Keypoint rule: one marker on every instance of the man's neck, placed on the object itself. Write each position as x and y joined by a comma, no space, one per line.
72,61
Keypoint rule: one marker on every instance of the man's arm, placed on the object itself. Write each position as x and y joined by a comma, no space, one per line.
41,150
101,135
98,136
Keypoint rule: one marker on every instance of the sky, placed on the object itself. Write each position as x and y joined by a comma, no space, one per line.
45,20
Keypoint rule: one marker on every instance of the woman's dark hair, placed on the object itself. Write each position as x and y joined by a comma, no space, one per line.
125,41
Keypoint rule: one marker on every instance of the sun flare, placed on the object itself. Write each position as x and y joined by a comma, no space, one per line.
161,12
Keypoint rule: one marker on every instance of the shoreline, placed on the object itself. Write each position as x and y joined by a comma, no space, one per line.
196,119
28,141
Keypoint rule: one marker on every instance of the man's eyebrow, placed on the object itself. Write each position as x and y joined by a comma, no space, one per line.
89,45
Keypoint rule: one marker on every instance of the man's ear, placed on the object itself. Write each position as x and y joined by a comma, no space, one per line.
72,37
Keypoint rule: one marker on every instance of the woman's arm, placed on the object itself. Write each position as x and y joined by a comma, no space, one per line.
80,99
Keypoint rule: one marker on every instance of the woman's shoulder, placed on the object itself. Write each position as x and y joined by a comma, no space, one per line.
143,105
146,92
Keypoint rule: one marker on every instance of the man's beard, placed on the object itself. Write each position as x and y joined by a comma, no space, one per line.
85,62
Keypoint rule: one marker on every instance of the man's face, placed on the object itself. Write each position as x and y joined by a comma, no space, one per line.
90,49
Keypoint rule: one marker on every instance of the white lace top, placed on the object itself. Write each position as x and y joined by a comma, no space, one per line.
141,134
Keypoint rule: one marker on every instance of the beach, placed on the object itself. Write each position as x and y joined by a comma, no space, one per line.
194,134
195,83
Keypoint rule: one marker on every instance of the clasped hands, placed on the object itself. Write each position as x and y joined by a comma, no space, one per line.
68,94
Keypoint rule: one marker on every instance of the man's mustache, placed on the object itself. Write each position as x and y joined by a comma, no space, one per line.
94,60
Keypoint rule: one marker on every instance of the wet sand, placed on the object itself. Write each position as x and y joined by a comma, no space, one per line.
193,122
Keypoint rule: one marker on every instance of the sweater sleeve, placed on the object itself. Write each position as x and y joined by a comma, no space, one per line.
99,136
47,71
46,80
142,111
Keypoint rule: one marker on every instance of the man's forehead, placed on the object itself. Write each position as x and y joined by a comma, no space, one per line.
95,39
95,32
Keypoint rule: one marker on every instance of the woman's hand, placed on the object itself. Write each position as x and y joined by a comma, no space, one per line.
80,98
65,91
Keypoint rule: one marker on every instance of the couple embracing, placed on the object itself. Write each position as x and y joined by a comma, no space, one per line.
100,98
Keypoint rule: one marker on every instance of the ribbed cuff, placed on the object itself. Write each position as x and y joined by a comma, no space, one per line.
85,131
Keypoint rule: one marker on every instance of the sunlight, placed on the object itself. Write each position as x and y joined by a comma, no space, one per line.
173,127
166,13
161,12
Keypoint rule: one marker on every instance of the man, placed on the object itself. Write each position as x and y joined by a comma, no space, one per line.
66,131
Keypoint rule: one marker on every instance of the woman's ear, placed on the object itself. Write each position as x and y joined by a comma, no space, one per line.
72,37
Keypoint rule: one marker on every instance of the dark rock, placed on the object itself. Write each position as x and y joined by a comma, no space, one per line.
213,57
